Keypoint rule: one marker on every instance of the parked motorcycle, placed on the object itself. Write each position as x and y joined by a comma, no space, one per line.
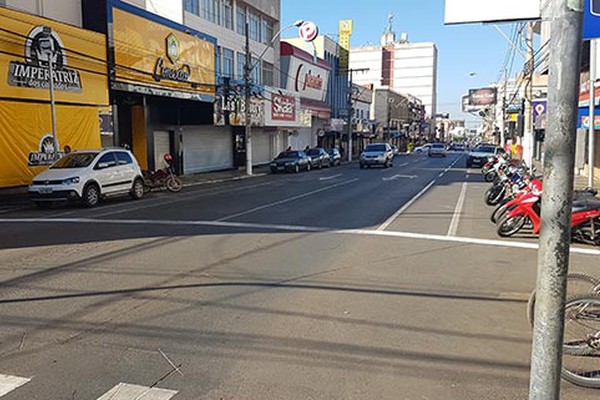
164,178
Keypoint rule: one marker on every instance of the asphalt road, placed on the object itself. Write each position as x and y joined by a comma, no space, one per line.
334,284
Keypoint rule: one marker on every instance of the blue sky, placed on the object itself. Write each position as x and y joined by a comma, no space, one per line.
461,48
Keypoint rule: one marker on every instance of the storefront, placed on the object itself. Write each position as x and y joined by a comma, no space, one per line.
27,44
163,86
286,120
306,76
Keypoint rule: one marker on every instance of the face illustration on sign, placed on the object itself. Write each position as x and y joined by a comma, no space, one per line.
34,72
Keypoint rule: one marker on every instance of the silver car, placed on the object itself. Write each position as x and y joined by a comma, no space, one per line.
377,154
437,149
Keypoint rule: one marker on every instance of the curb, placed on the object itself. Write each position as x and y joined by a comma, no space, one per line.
214,181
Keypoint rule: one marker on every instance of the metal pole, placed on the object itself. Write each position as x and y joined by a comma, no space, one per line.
592,123
248,119
529,141
52,104
349,116
555,235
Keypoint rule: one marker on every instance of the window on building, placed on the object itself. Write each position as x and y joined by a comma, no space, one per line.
227,63
227,14
192,6
267,73
254,25
241,20
267,31
210,10
241,60
255,73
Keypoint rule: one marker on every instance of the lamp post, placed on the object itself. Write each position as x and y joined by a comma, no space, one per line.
248,67
47,48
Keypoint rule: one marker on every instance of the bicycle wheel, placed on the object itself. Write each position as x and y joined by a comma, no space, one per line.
577,284
581,343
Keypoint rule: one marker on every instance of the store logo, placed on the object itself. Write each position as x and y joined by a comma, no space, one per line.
174,73
39,53
45,154
308,81
173,48
283,108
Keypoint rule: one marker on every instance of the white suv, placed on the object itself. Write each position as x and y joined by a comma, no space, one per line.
87,176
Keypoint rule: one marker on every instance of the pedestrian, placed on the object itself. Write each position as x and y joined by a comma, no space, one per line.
307,148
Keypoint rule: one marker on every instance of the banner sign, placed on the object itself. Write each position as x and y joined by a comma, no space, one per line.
155,54
539,114
345,31
483,97
469,11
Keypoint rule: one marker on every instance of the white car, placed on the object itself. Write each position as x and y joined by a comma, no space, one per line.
88,176
423,149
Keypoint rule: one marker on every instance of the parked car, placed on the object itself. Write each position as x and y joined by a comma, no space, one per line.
319,158
88,176
334,156
437,149
481,154
377,154
291,161
423,149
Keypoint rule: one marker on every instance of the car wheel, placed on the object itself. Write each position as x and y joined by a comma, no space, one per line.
43,205
362,166
308,167
469,165
91,195
137,190
273,170
296,168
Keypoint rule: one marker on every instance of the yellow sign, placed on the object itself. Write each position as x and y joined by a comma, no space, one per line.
152,55
345,33
26,143
78,59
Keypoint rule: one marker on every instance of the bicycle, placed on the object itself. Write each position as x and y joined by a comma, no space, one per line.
581,343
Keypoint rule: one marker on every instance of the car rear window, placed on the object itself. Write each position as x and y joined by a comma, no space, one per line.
484,149
376,147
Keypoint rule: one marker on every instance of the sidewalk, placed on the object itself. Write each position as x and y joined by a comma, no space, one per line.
15,197
581,181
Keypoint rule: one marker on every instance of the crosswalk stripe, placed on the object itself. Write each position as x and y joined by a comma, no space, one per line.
9,383
126,391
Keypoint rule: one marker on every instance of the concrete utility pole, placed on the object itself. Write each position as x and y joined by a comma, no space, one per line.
555,235
592,127
528,121
48,48
350,110
247,83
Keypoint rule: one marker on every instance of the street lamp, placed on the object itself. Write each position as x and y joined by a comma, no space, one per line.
248,67
47,49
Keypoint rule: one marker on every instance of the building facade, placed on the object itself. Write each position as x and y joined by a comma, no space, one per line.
408,68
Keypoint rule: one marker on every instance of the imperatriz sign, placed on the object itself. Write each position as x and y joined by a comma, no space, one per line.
34,72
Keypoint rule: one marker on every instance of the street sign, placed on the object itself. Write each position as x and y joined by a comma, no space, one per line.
591,19
308,31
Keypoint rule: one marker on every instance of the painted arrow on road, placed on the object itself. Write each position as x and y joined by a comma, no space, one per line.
396,177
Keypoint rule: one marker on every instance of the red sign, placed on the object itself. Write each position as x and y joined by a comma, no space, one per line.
308,31
283,108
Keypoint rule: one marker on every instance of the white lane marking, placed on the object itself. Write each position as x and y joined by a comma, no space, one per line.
9,383
126,391
328,178
276,203
450,167
409,203
398,176
299,228
457,211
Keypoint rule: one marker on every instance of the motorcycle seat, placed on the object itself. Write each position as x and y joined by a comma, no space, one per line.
586,204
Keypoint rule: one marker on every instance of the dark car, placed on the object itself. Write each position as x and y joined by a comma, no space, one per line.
319,158
290,161
481,154
334,156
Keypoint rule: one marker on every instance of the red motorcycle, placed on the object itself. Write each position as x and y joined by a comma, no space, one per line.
585,221
163,178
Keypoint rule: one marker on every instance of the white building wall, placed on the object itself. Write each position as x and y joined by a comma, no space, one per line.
68,11
367,57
